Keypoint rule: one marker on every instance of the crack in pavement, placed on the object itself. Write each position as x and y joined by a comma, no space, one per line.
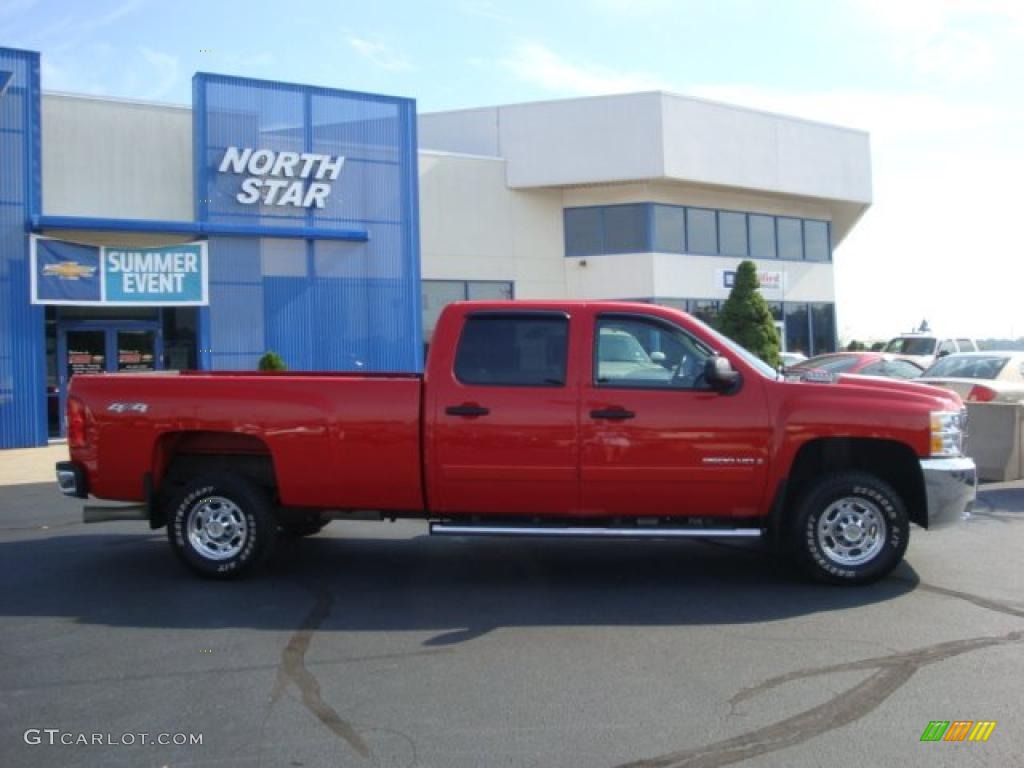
292,670
891,673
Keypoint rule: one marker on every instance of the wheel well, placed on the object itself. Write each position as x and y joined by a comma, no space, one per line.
180,456
888,460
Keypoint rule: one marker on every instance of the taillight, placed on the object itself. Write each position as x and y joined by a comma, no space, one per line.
980,394
76,423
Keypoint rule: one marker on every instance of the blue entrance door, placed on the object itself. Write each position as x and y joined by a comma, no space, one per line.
99,347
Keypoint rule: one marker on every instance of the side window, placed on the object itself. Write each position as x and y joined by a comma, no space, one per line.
513,350
875,369
947,347
638,352
966,345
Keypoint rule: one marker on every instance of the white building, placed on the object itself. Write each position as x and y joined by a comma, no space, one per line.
648,196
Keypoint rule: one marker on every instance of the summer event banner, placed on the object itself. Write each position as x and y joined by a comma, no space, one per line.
70,273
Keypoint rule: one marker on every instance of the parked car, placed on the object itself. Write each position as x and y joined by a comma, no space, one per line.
789,359
542,419
1001,372
925,348
860,363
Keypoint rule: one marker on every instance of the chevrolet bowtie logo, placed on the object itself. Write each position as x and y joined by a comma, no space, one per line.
68,270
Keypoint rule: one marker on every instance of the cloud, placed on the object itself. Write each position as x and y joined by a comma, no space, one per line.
380,54
486,10
538,65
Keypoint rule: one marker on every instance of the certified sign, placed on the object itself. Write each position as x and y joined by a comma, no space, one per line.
69,273
769,281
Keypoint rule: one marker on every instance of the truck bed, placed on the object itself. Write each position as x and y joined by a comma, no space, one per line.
336,440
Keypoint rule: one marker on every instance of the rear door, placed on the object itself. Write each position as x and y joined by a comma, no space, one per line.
654,438
504,422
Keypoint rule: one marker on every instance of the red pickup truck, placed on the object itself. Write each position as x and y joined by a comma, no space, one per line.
584,419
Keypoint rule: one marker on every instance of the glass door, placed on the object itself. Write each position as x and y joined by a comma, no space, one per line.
136,350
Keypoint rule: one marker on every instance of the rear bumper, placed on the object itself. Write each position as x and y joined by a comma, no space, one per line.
950,487
71,480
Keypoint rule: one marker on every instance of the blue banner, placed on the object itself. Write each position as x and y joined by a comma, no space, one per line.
68,273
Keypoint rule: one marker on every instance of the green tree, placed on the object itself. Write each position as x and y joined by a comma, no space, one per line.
271,361
855,346
878,346
746,319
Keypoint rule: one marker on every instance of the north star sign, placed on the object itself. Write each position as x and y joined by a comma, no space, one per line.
295,179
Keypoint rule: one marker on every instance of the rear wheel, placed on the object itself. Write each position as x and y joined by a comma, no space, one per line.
221,525
850,528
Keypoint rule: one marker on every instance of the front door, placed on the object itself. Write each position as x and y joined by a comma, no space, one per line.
105,348
655,440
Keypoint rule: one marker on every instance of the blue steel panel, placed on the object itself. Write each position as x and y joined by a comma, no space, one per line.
22,347
336,305
149,226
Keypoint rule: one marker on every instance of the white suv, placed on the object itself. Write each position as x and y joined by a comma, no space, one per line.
925,348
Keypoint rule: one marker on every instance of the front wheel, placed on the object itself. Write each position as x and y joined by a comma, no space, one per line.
221,525
850,528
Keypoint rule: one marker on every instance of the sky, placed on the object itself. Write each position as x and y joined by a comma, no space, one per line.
939,84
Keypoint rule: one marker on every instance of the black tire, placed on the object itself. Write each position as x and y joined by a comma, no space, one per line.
850,528
302,526
246,537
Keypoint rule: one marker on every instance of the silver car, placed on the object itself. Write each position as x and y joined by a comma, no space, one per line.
980,376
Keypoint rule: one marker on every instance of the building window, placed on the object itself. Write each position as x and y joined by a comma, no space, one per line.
798,335
823,325
583,235
705,310
816,244
660,228
625,229
437,294
700,228
732,233
762,236
791,241
669,225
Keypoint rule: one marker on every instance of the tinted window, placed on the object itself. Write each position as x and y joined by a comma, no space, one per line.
583,232
635,352
968,367
790,239
625,229
669,229
705,310
816,244
513,350
482,290
700,229
798,337
823,321
762,237
732,233
915,345
436,295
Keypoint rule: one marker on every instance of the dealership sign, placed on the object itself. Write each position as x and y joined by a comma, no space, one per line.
70,273
768,281
286,179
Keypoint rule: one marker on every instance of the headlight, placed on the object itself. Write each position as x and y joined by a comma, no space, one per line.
948,432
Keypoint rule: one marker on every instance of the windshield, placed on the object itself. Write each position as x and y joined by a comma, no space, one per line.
762,367
830,363
912,345
969,367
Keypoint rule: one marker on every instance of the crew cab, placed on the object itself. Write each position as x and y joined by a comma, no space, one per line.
583,419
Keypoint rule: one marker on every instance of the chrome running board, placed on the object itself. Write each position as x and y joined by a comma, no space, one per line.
648,532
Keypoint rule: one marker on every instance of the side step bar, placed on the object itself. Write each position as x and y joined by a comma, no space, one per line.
92,513
651,532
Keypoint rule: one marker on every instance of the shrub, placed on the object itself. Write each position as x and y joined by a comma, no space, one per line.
271,361
746,319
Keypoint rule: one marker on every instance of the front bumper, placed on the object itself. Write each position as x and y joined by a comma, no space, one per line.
71,480
950,487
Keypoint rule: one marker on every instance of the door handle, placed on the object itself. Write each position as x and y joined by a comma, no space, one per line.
466,410
612,413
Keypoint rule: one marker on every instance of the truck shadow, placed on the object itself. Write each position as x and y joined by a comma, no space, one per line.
453,590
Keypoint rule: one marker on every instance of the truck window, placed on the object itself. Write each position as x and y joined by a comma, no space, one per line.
513,350
966,345
640,352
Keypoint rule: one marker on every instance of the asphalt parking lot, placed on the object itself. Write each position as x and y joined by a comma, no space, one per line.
372,644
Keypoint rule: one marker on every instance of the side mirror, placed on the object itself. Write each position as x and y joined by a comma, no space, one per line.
943,353
658,357
719,373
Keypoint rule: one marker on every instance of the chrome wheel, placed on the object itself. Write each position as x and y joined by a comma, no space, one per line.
851,531
216,528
